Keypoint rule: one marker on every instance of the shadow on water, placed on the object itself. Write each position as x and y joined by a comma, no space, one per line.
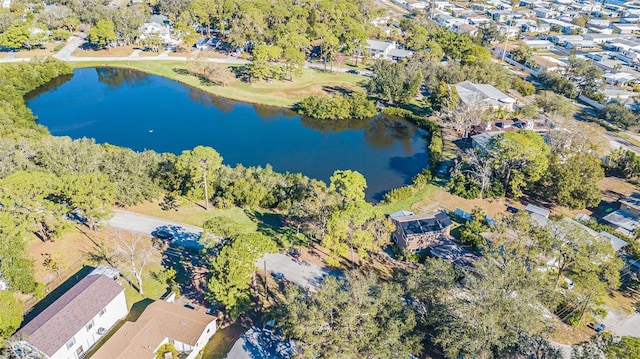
51,85
56,293
115,77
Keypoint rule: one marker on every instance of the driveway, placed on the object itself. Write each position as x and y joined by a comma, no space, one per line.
622,324
183,234
260,344
296,271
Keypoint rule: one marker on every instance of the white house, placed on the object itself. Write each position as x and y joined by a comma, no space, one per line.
160,323
378,49
157,27
79,318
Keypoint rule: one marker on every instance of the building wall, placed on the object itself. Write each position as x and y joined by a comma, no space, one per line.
208,332
115,311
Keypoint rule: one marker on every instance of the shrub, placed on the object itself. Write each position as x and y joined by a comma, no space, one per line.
525,88
337,107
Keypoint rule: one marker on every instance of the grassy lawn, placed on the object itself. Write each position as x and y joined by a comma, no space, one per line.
149,54
222,342
46,50
114,52
434,197
182,53
276,93
194,215
211,55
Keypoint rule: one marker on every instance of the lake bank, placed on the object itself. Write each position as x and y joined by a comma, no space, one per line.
277,93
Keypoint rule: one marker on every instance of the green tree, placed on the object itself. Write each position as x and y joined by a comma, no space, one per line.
353,318
262,64
103,34
350,185
191,168
520,159
522,53
395,81
356,229
233,268
620,115
10,314
572,180
554,104
15,37
503,299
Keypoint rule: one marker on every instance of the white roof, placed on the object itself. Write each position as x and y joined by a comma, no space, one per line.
531,209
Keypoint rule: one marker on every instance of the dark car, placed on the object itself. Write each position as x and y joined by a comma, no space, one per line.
355,72
163,233
277,276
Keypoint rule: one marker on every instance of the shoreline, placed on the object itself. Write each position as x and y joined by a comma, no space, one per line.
281,94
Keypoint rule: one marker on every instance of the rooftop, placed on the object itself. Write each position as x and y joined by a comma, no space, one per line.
52,328
159,320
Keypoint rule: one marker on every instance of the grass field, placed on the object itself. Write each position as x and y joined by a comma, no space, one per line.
276,93
46,50
194,214
114,52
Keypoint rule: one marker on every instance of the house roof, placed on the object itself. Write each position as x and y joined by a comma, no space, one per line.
378,45
532,209
159,320
632,201
400,53
423,223
53,328
401,213
622,219
484,94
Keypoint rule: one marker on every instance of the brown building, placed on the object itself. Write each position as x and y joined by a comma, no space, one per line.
416,232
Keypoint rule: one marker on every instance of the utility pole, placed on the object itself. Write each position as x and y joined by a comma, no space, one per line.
204,182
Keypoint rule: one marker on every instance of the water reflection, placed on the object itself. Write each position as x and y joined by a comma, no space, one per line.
117,77
209,100
51,85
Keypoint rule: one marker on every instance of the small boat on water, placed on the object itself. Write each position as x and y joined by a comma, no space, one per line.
151,131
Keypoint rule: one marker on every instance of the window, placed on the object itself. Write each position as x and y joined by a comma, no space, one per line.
71,342
89,325
103,311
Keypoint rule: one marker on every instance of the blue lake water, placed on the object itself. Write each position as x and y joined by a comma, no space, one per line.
132,109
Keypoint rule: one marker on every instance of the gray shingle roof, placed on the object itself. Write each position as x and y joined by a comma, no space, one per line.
53,328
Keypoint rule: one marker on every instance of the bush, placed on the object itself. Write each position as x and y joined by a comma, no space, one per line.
337,107
525,88
60,34
419,182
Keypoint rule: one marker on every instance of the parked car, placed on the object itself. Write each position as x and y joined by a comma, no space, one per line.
355,72
600,328
163,233
277,276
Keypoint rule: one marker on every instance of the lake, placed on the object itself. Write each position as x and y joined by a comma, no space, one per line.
131,109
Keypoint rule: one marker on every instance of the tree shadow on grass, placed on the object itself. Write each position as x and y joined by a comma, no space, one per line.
337,89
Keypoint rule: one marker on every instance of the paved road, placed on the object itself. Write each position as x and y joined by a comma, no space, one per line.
304,274
135,222
622,324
